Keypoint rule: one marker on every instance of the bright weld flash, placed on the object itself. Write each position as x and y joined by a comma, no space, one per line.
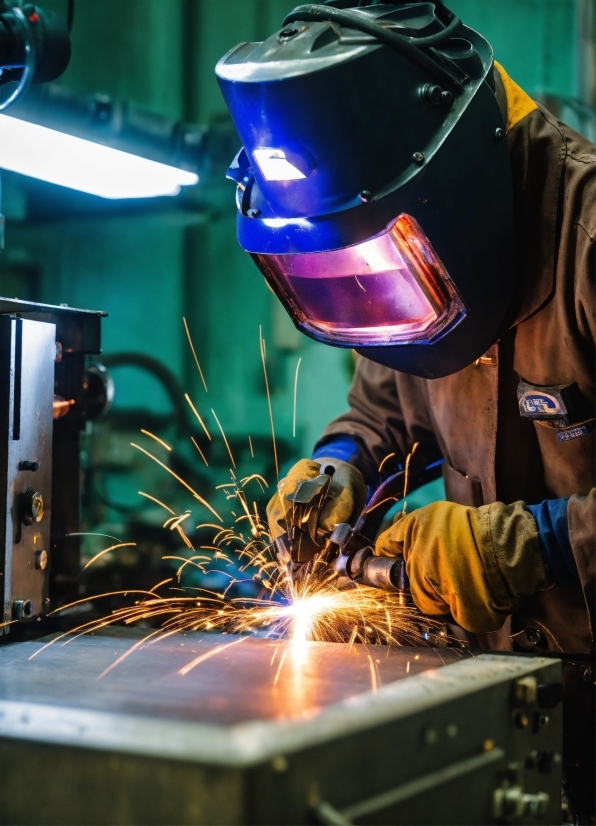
304,613
62,159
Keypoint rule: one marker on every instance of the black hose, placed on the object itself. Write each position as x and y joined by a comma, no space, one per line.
410,46
163,374
70,15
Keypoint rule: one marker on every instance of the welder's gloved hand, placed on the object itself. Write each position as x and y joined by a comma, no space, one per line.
345,500
475,563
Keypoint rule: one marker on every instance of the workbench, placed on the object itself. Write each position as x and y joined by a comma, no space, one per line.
211,728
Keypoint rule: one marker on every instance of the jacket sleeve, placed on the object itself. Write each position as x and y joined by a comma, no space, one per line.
581,513
377,423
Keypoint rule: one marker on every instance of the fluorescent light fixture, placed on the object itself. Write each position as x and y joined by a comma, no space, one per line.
79,164
275,166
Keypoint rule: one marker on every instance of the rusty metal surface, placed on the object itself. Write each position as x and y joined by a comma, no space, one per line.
241,679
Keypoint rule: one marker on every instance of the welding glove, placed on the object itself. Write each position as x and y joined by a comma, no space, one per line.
475,563
345,500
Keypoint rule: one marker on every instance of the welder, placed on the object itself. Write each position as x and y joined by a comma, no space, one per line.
403,197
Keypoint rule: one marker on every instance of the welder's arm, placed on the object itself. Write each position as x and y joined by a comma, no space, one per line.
478,563
581,517
382,423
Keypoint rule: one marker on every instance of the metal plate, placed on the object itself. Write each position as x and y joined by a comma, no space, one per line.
239,680
201,729
230,708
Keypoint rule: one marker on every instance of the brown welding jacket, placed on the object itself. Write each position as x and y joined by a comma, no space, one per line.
472,418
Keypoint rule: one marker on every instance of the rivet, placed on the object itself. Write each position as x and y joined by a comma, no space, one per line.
253,213
418,158
365,196
499,134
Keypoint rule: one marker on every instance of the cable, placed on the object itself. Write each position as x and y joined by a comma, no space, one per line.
30,59
410,46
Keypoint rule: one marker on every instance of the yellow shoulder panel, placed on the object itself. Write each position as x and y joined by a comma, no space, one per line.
519,104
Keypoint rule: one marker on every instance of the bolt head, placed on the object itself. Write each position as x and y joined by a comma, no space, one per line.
286,34
41,560
33,507
533,635
22,608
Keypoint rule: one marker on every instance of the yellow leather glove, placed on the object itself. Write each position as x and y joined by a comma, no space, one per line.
345,500
475,563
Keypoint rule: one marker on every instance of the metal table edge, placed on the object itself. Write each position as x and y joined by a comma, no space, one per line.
254,742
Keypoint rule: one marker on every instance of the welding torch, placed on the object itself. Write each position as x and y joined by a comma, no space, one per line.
306,550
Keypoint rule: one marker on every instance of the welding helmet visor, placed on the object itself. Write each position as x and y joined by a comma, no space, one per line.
390,289
374,186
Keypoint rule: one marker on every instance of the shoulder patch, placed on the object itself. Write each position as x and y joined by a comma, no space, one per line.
519,104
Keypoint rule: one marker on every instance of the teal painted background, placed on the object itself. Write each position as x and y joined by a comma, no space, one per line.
148,271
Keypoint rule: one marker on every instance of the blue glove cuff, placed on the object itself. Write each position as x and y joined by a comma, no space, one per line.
553,535
341,447
345,448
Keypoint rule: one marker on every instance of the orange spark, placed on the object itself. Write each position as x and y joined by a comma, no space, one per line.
196,412
157,439
192,347
178,479
224,438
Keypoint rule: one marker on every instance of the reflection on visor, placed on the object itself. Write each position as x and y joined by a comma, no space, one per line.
389,290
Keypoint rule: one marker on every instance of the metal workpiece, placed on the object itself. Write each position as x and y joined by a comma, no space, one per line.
210,728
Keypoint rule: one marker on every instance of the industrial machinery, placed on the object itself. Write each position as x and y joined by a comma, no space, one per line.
206,728
47,394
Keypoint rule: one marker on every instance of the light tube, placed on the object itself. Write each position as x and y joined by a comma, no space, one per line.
62,159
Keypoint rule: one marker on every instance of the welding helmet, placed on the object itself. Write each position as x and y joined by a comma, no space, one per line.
374,186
